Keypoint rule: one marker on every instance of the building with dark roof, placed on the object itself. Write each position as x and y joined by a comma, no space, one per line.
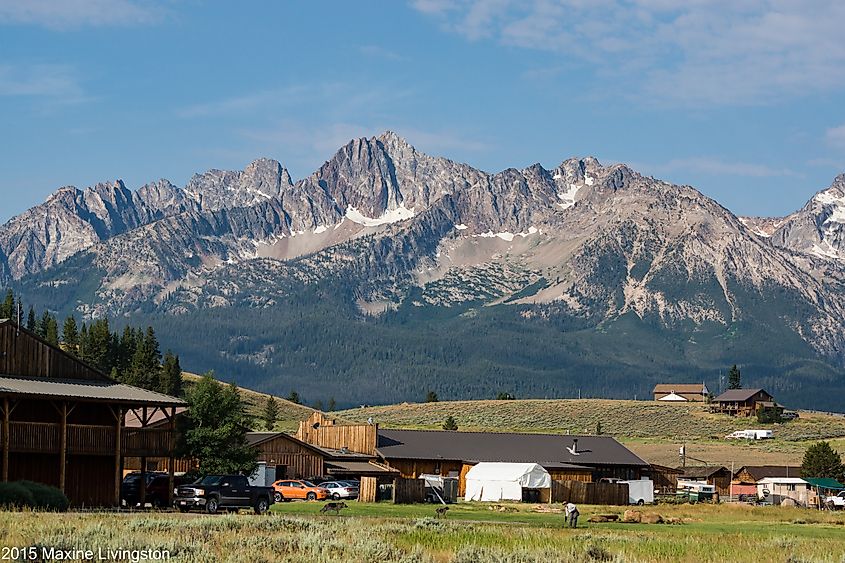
565,457
681,392
716,475
64,422
753,473
743,402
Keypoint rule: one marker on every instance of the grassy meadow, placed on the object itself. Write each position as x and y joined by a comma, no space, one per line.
296,532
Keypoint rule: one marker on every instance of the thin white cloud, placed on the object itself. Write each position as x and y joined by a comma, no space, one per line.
700,52
719,167
42,80
65,14
835,136
378,52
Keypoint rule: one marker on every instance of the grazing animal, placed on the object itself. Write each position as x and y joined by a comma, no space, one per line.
441,512
335,507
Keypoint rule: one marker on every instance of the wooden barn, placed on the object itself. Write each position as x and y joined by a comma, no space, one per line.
680,392
566,458
64,422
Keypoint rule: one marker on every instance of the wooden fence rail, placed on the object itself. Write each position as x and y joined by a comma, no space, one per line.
45,437
580,492
408,491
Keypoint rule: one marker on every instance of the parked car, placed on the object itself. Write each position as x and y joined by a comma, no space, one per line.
158,486
340,489
227,492
835,502
789,415
287,490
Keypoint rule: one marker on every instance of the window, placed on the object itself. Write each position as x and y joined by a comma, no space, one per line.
791,487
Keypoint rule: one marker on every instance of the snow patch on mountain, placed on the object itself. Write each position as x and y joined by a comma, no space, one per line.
400,213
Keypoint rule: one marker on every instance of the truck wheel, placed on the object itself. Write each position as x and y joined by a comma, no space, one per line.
261,506
277,496
311,496
212,505
335,496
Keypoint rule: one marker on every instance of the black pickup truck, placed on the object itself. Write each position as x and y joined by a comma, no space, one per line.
222,492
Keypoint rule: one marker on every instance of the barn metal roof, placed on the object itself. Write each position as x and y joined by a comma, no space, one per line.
83,390
552,451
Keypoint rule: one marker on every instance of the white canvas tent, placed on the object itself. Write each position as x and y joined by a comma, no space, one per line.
489,481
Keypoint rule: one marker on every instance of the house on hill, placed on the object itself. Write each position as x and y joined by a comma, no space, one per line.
64,422
744,402
681,392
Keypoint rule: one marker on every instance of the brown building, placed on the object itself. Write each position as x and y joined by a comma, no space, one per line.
742,402
665,478
64,422
716,475
282,456
681,392
565,457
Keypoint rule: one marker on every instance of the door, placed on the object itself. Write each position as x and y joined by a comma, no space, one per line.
281,472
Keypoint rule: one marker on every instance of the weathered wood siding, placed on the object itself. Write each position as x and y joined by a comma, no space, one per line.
580,492
413,468
89,480
572,475
321,431
300,462
368,490
24,354
408,491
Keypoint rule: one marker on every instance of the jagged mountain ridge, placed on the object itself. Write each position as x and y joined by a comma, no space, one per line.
581,246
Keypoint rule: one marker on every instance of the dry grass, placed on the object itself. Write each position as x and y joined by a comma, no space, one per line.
289,413
709,533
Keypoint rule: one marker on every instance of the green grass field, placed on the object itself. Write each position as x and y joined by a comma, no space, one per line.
297,532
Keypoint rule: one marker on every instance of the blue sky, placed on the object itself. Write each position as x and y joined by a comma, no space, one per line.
744,100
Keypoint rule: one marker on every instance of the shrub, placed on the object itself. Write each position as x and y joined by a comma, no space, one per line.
15,495
46,497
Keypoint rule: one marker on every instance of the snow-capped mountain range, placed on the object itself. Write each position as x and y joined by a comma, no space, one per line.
583,241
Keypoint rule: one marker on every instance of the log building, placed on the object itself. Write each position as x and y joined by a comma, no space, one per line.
64,422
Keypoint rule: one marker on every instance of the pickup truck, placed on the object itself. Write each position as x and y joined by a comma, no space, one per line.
227,492
835,502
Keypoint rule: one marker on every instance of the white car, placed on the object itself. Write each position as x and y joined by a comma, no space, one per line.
340,489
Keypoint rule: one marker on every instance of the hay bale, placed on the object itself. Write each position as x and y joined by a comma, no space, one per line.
603,518
632,517
651,519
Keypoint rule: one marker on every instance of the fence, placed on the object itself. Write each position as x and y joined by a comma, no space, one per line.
580,492
408,491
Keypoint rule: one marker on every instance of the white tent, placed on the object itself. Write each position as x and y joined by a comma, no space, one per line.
504,481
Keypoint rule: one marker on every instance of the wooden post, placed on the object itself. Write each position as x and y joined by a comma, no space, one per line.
63,449
6,441
143,490
118,478
170,459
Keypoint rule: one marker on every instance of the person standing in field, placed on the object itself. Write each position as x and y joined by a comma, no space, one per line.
571,513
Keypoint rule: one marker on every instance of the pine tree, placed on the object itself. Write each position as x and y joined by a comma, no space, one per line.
431,397
97,346
734,378
598,428
145,367
51,332
294,398
332,404
271,412
70,335
31,324
821,460
7,308
449,423
171,375
43,324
